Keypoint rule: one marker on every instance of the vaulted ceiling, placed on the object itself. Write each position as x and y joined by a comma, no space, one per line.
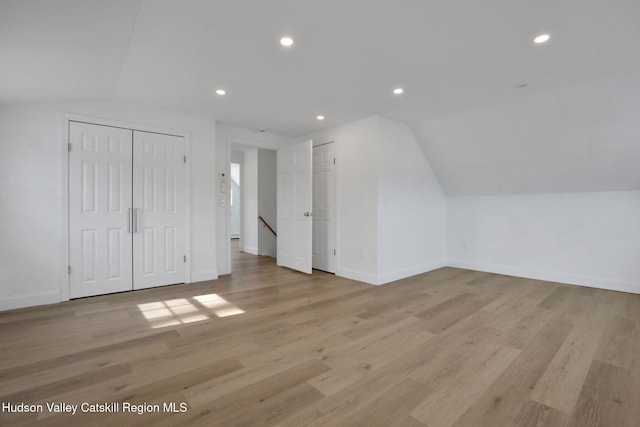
493,112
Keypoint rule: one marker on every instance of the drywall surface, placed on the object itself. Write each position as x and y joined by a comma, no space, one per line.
391,211
267,201
412,209
249,178
577,138
356,197
590,239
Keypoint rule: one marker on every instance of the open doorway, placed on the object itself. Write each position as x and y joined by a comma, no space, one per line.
252,201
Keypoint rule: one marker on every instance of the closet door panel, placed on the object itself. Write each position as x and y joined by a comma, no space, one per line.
100,191
158,194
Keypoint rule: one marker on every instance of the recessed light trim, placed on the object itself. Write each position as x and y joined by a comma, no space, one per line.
398,91
221,92
286,41
542,38
320,117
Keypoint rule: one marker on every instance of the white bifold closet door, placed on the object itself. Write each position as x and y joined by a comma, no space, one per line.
100,171
158,203
126,209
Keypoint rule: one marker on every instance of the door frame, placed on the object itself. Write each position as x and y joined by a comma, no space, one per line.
228,145
65,279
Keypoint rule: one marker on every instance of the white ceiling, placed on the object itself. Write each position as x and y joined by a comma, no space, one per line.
458,61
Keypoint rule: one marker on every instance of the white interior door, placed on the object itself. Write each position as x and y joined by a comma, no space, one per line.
99,209
324,196
158,195
294,207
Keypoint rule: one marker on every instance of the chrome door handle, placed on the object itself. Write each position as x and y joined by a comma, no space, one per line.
129,219
135,220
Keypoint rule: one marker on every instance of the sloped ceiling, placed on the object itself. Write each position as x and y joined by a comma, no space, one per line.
573,127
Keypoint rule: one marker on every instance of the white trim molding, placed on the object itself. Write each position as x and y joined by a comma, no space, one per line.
550,276
203,276
414,271
29,300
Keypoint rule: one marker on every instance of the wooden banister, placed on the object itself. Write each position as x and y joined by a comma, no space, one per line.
267,225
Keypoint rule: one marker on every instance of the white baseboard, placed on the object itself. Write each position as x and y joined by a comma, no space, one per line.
413,271
202,276
29,300
356,275
550,276
250,250
268,254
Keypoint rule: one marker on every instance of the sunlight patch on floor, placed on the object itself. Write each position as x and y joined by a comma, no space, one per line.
220,306
161,314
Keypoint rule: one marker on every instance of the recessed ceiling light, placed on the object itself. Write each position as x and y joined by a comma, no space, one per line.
542,38
398,91
286,41
320,117
221,92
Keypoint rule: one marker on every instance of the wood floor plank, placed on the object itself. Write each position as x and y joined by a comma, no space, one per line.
69,383
450,347
535,414
605,399
467,383
451,311
560,385
618,346
235,403
354,362
386,409
501,403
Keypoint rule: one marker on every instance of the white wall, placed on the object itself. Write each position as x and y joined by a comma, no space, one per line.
590,239
30,206
412,210
267,201
249,179
391,211
356,197
32,194
578,138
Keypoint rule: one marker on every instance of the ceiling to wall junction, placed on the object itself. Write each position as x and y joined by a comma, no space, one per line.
494,112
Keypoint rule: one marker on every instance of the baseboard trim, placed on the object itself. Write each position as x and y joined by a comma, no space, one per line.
203,276
250,250
355,275
413,271
29,300
550,276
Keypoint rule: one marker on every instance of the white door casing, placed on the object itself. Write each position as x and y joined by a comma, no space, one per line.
100,169
158,206
324,196
294,207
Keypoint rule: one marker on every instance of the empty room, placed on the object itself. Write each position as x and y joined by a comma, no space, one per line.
338,213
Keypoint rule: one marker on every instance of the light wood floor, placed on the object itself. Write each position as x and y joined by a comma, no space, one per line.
268,346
